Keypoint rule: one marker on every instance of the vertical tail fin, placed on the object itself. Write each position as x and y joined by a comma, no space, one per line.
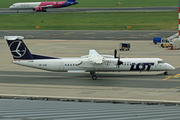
18,48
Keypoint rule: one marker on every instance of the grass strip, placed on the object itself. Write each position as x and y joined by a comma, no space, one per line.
91,21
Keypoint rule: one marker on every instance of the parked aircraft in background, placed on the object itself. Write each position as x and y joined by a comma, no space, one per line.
42,6
93,63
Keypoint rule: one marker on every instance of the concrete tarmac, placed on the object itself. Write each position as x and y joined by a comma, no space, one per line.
151,86
89,34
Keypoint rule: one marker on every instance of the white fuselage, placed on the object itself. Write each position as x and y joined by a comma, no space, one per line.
28,5
110,64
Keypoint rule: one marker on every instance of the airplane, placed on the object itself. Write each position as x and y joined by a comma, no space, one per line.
42,6
93,63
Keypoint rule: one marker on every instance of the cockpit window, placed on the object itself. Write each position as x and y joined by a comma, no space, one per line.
161,61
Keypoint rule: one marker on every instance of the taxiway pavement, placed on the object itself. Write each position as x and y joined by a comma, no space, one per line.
151,86
89,34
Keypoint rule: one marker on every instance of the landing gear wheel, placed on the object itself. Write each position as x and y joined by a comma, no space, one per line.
165,73
94,77
92,73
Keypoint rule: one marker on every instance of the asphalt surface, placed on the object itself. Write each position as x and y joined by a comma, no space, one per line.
89,34
135,80
19,80
132,9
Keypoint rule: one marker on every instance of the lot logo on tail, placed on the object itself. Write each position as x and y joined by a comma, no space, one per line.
17,48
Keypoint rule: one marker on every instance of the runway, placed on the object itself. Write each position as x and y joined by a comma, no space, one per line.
89,34
60,10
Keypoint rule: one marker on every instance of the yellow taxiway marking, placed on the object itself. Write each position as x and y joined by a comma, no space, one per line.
175,76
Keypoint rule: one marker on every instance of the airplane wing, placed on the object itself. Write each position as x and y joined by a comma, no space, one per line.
95,57
96,61
47,6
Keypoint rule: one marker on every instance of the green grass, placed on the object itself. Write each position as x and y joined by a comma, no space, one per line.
91,21
104,3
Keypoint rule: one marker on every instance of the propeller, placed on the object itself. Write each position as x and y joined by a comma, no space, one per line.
118,61
115,53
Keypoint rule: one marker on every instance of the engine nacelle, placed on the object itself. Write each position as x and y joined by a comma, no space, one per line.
38,9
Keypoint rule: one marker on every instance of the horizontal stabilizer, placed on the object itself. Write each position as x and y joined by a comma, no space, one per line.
13,37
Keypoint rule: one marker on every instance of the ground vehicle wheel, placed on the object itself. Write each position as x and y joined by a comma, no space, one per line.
94,77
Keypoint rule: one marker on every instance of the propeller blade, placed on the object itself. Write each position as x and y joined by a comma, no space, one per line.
115,53
119,62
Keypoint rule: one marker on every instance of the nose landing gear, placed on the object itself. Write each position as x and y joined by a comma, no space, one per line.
165,73
94,77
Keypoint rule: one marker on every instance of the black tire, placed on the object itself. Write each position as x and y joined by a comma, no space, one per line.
94,77
165,73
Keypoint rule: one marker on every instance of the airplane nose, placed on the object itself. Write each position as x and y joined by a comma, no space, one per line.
170,67
11,7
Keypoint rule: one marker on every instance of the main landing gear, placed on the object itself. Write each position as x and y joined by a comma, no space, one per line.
94,77
44,10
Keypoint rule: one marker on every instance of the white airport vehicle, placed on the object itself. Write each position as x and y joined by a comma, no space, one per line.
93,63
174,44
165,42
